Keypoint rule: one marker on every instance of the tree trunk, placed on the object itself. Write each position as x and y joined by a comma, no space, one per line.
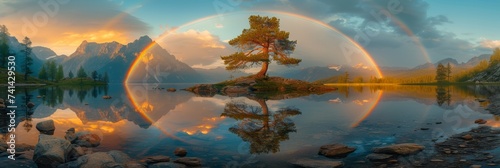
263,70
265,112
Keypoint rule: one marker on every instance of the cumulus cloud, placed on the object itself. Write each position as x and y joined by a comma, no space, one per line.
200,49
490,43
63,25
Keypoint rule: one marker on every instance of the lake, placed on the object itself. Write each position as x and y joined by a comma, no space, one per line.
142,120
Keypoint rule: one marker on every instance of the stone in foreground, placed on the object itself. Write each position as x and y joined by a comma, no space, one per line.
335,150
46,127
189,161
51,151
400,149
310,163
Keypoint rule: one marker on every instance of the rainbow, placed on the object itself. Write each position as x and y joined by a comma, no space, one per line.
148,47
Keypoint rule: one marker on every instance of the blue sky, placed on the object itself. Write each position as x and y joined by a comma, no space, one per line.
424,30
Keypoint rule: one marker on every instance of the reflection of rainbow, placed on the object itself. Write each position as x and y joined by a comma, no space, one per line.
143,112
369,111
364,52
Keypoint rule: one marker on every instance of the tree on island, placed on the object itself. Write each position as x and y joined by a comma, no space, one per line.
448,72
258,44
28,61
94,75
105,78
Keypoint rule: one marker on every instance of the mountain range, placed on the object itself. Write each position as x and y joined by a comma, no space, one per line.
159,66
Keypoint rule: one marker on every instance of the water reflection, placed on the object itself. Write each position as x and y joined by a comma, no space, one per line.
262,128
144,121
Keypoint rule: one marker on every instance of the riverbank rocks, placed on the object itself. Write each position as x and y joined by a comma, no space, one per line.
103,159
400,149
46,127
51,151
335,150
188,161
87,139
180,152
171,90
106,97
70,135
310,163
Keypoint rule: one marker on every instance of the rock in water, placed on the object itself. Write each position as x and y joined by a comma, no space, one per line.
180,152
51,151
87,139
335,150
171,90
400,149
46,127
155,159
189,161
166,165
309,163
378,157
106,97
30,105
119,156
70,135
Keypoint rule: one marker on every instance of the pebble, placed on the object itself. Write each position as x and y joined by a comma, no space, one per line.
462,146
463,160
436,160
467,137
424,129
475,166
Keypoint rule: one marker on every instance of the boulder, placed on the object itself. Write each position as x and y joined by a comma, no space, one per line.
87,139
188,161
119,156
335,150
166,165
378,157
310,163
70,135
51,151
98,159
171,90
400,149
2,106
30,105
46,127
155,159
180,152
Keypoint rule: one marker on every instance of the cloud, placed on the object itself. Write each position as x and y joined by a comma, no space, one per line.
63,26
200,49
490,43
391,33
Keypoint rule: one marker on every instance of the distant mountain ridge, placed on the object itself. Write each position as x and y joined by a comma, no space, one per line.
116,59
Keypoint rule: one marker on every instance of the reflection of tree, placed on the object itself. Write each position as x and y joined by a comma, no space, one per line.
28,110
443,95
258,126
52,96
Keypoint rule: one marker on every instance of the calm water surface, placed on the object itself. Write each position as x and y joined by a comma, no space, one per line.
237,131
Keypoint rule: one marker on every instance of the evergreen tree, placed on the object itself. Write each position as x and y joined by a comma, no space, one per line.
60,73
28,61
43,73
4,46
258,44
52,70
448,72
441,73
94,75
105,78
495,57
81,73
70,75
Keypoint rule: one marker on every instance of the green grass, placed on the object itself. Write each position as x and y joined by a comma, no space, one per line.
79,81
19,78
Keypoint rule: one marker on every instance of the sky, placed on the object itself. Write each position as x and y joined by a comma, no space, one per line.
403,33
